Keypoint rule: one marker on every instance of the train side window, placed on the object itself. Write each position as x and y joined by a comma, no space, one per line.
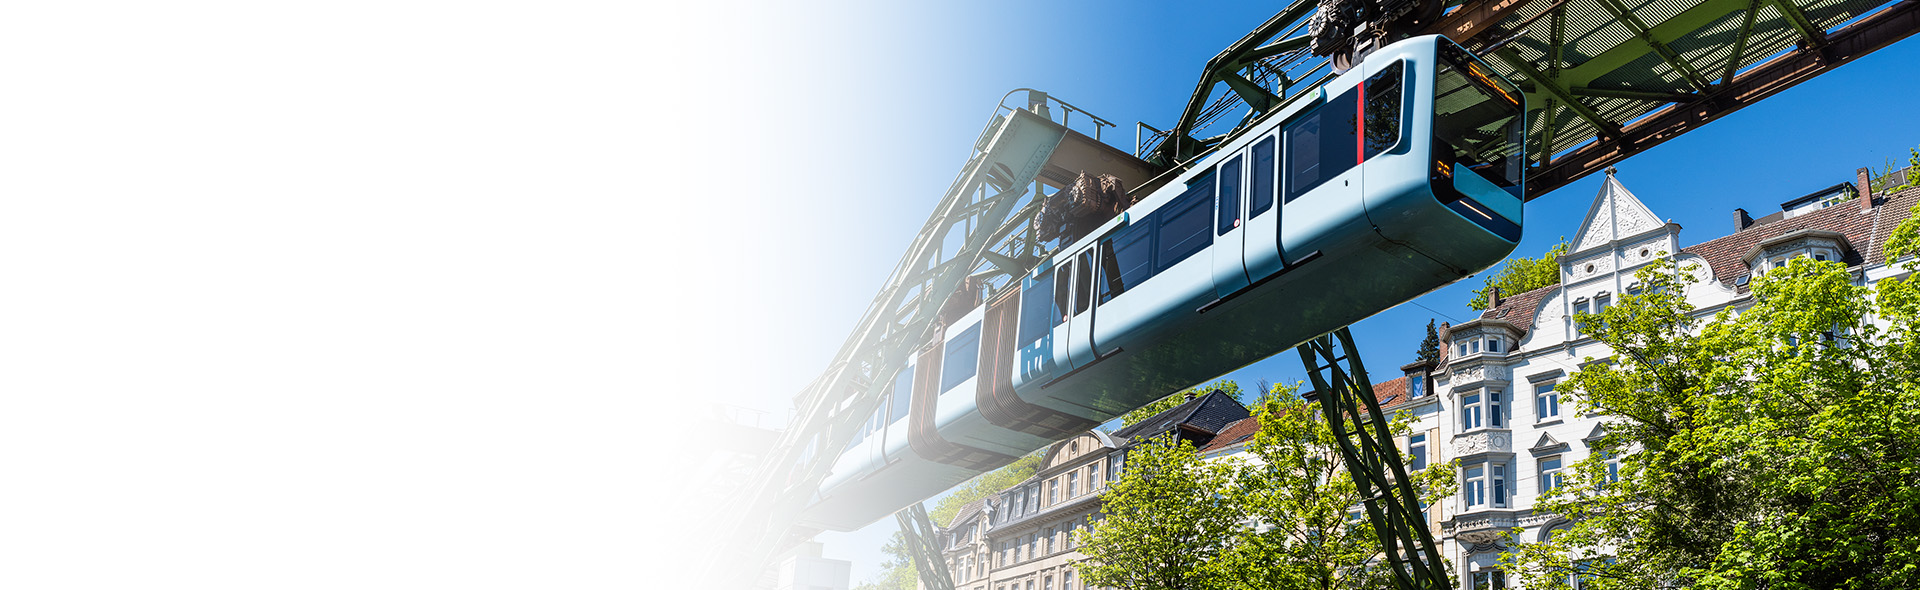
1083,282
1062,291
962,359
1262,186
1183,226
1322,144
1229,195
1037,312
1126,258
902,394
1382,124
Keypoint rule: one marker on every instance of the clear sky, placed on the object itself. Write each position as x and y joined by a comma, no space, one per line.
421,293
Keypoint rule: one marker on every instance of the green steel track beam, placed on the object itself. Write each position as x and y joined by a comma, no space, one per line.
1605,128
1353,413
1815,37
1633,94
1864,36
1640,29
1180,145
1740,44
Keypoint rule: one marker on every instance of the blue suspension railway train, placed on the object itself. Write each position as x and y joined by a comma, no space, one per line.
1398,177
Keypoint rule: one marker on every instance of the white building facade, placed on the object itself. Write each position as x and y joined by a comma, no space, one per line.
1493,407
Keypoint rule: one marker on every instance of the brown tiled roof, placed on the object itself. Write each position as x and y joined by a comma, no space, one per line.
1238,432
1519,309
1897,208
1864,233
1391,392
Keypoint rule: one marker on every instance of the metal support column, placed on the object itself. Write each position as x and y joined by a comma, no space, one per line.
1366,446
923,542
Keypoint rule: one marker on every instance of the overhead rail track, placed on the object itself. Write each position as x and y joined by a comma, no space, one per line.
1606,79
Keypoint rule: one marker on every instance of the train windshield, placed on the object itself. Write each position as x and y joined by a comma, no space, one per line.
1476,119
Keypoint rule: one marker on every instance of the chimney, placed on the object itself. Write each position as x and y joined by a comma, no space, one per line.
1866,196
1741,220
1493,298
1189,395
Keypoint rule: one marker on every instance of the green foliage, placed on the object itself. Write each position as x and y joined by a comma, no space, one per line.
897,572
1166,521
1520,275
1430,346
1177,522
1775,448
986,484
1137,416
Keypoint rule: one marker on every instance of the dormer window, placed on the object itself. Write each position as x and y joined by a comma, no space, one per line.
1473,346
1416,386
1493,345
1601,301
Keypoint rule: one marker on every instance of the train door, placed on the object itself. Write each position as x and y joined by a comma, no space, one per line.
1321,182
1229,260
1079,309
894,436
1263,255
1063,344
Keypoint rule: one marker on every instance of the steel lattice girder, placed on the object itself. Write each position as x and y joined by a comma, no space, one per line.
1620,76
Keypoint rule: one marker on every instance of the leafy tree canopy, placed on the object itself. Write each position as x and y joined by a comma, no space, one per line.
1176,521
897,572
1774,448
1520,275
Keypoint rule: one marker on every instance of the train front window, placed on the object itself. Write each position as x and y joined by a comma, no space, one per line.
1476,119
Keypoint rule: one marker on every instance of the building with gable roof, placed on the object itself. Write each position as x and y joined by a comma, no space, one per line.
1496,411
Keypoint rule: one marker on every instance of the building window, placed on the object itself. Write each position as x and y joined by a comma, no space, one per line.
1473,346
1047,583
1549,473
1019,502
1066,580
1474,487
1073,484
1029,584
1489,579
1495,413
1093,477
1053,492
1113,466
1046,543
1033,499
1493,345
1602,301
1417,452
1470,412
1546,403
1499,478
1416,385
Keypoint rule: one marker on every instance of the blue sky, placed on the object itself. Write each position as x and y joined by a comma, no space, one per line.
921,86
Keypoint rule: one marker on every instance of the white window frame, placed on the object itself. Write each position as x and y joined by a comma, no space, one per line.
1546,401
1500,485
1417,450
1473,486
1472,416
1551,477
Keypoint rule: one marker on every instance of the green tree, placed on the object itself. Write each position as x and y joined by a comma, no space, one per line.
1316,534
1150,410
1430,346
1177,521
1520,275
986,484
1773,448
897,572
1167,520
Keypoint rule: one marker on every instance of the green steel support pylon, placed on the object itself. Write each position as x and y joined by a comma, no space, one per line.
1366,446
923,541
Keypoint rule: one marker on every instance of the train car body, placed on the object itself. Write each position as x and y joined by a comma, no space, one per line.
1398,177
